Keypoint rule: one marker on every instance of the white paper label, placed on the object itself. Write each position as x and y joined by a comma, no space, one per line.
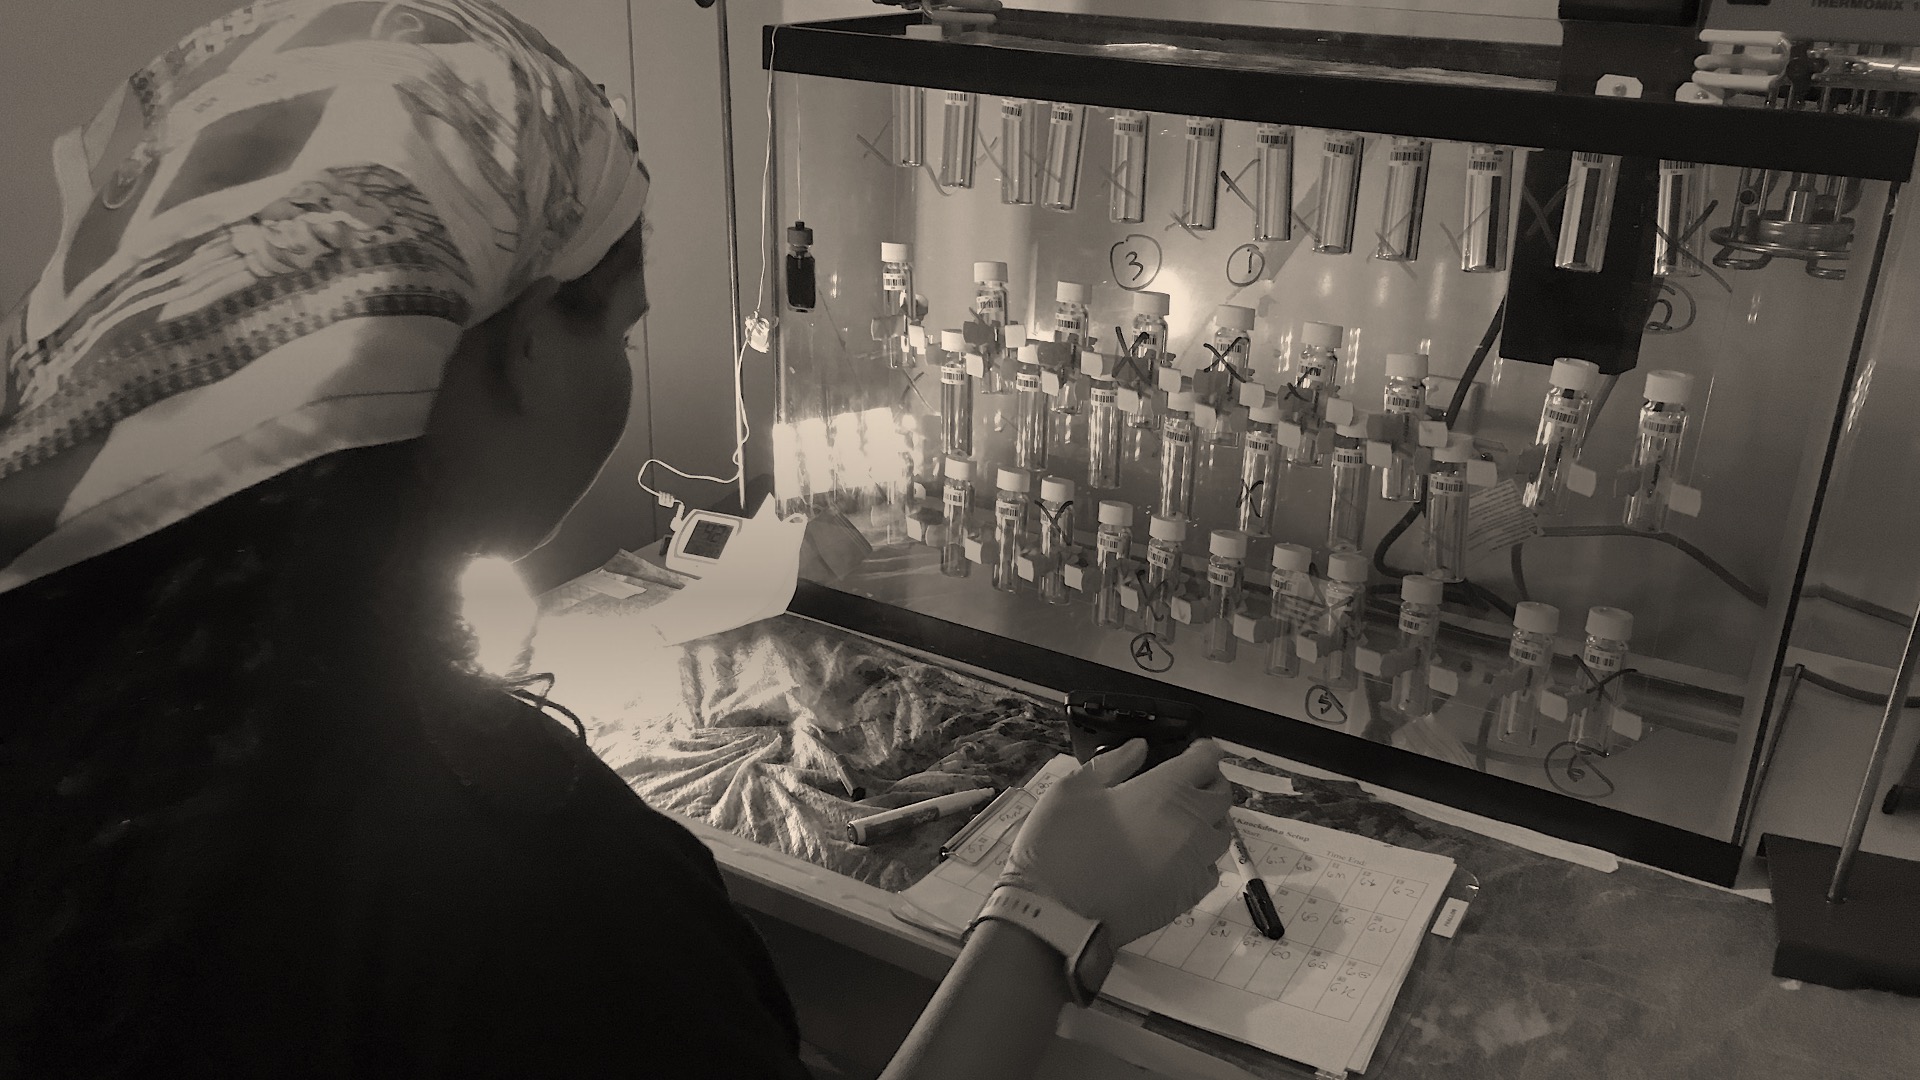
1225,577
1497,520
954,374
1448,921
1163,557
1027,382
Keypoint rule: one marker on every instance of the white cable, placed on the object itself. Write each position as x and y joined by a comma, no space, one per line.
740,358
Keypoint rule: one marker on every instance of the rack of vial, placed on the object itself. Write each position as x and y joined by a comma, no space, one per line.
1224,403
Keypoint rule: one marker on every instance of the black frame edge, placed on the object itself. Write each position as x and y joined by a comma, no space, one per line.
1642,840
866,50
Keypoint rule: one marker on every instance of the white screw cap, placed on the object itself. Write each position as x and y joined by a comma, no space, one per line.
1572,374
1015,480
1180,401
1115,512
896,253
1458,449
989,271
1611,623
1070,292
953,341
1406,365
1265,414
1421,589
1536,618
1233,317
1292,558
1172,528
1669,387
1057,489
959,468
1152,303
1029,354
1228,543
1321,334
1349,567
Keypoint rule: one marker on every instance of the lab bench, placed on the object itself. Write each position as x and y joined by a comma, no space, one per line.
1569,963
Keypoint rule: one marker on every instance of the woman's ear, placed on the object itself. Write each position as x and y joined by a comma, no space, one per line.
530,319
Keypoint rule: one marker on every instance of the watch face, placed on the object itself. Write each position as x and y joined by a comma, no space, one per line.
707,539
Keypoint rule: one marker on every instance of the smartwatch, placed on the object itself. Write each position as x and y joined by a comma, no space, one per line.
1084,943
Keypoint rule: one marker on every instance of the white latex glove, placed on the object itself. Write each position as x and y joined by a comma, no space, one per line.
1130,853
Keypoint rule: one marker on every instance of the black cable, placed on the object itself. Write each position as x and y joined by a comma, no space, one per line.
1580,758
1854,693
1859,604
1519,571
1748,592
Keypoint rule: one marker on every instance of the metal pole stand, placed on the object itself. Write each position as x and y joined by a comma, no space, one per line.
1843,917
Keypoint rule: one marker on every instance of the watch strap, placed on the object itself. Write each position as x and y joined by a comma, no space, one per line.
1075,937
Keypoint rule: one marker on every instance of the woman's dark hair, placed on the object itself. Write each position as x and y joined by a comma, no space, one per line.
157,693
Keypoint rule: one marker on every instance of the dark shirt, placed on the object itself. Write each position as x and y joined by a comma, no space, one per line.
481,897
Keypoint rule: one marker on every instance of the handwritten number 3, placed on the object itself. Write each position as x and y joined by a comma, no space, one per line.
1133,261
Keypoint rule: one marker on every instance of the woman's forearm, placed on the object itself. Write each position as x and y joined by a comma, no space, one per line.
994,1014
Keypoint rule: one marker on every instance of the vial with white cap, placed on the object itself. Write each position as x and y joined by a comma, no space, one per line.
1056,538
1404,407
1150,310
1352,483
1226,554
1032,415
1259,472
1200,199
958,529
1446,543
956,141
1178,463
1066,135
1009,527
1127,200
1073,327
1104,428
1590,726
1340,155
1341,623
897,299
1656,452
1020,159
956,396
1530,654
1294,609
1165,535
1563,418
990,309
1273,186
1112,546
1420,598
1233,338
1316,377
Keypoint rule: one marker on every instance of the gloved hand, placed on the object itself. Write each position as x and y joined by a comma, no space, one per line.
1130,853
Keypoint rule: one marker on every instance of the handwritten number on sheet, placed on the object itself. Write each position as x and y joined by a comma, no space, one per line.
1135,262
1245,265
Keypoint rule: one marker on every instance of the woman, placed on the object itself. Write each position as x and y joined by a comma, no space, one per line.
339,305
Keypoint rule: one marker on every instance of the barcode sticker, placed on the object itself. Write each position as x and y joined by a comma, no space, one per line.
1448,921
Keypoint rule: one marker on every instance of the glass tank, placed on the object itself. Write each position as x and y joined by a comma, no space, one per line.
1548,451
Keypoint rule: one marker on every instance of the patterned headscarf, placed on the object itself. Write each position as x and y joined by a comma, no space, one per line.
273,237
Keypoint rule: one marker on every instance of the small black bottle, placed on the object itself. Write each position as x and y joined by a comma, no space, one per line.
800,284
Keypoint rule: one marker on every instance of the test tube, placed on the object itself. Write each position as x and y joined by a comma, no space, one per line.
1588,212
1103,436
1259,472
1031,411
1056,539
1226,554
1165,535
1233,337
1489,210
1072,325
1420,598
1340,625
1401,216
1316,374
1294,607
1590,728
897,299
1273,215
1656,452
1200,200
1009,527
1066,134
956,396
1150,310
1113,545
1178,464
1340,155
1563,419
958,527
1019,157
1127,201
1405,407
909,126
1678,232
956,143
1530,652
1447,501
1352,484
